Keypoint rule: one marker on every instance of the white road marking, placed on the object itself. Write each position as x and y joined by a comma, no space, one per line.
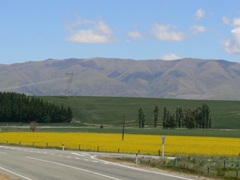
77,154
73,167
138,169
24,177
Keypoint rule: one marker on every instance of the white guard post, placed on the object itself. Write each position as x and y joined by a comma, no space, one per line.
163,140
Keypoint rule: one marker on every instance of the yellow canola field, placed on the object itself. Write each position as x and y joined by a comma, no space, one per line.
145,144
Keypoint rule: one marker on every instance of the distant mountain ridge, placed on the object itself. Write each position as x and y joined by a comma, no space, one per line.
183,79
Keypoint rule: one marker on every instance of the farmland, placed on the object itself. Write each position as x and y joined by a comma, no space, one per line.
145,144
85,134
110,110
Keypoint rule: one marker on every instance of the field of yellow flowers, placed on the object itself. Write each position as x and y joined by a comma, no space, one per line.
145,144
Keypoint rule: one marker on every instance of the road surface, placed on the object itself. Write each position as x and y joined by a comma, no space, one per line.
48,164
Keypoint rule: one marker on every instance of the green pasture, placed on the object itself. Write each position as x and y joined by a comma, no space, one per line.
76,127
111,111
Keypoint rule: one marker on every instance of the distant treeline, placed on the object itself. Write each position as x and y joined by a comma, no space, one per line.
182,118
16,107
188,118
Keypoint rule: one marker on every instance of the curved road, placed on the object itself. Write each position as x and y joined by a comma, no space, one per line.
37,164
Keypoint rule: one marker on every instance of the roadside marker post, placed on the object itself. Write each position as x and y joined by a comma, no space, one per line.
63,146
163,140
136,157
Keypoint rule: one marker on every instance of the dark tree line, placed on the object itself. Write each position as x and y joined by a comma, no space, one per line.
16,107
182,118
188,118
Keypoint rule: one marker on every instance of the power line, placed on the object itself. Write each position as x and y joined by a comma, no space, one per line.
68,90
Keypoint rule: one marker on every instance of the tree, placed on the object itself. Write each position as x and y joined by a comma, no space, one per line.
165,112
33,126
189,118
210,123
156,115
206,113
171,123
179,117
16,107
141,118
202,117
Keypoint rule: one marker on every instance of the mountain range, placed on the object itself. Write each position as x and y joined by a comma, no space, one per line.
186,78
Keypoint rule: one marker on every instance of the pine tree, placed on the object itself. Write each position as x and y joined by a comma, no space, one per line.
141,118
156,115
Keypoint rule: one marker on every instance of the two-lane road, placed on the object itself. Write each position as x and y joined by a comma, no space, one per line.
35,164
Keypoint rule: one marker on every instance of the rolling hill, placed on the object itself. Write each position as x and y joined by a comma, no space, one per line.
180,79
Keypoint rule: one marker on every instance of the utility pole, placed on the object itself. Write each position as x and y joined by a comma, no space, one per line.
123,127
68,90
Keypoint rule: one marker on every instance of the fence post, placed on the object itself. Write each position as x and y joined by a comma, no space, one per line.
118,150
46,145
33,144
97,148
159,152
136,158
79,147
63,146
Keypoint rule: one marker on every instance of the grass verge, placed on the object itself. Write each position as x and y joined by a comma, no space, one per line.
220,167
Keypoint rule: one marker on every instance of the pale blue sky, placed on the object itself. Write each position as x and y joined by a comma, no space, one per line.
34,30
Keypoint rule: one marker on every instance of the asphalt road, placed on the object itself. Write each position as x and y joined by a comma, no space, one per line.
48,164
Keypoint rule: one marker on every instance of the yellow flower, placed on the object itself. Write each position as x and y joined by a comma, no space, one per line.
145,144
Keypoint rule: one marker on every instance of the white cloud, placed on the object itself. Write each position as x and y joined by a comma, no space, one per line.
166,32
170,57
200,13
89,31
226,20
232,46
236,22
135,35
196,29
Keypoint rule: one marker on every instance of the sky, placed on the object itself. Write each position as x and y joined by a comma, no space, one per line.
35,30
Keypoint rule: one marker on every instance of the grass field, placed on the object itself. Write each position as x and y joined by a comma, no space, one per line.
110,110
69,127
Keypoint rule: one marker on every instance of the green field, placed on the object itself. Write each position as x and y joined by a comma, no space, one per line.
109,111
